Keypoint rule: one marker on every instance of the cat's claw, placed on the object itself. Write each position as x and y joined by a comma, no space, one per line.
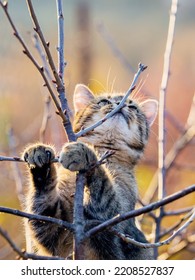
38,155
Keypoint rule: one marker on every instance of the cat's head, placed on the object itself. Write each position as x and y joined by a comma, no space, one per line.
127,130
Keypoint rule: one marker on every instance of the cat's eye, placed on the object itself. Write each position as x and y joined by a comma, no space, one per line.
133,107
104,102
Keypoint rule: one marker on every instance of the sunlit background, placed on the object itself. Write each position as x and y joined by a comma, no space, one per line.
104,42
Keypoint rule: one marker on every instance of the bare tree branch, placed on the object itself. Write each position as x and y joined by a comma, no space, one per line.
151,214
162,99
61,63
79,219
161,122
37,28
30,56
29,216
127,239
58,79
46,114
137,212
18,159
41,53
176,225
178,212
45,120
5,158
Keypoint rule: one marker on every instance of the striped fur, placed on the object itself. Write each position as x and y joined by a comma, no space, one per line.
110,189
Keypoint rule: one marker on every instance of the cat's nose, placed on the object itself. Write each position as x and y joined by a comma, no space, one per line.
118,102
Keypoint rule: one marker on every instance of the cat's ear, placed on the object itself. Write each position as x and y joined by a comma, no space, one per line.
150,109
82,96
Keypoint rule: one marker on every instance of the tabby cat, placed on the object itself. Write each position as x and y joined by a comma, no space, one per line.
110,189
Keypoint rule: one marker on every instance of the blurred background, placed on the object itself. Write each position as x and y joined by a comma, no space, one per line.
104,42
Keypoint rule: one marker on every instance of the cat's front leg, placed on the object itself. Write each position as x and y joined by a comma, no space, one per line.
43,199
39,158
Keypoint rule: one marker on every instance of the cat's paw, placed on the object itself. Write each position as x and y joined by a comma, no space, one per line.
77,156
38,155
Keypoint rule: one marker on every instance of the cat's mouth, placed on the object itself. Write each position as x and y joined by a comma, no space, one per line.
122,114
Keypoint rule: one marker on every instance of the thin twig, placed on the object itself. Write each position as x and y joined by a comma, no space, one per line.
18,159
45,119
5,158
102,160
39,68
61,63
41,53
127,239
29,216
178,212
46,114
58,79
45,44
151,214
161,122
172,228
162,99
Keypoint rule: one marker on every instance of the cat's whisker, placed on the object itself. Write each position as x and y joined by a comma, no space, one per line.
137,88
112,86
142,82
136,96
141,96
100,84
107,80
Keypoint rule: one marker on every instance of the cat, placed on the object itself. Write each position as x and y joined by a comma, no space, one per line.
110,188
